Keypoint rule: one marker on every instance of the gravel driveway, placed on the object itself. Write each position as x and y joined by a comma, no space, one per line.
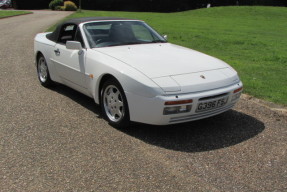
55,140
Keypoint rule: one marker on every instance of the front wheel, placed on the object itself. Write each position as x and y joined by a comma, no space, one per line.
114,104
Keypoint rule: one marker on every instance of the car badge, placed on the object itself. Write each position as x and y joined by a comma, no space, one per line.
202,76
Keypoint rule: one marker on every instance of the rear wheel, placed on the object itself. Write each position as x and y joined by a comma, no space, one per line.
43,72
114,104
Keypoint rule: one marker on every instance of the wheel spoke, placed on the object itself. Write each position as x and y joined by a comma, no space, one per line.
113,113
109,108
113,93
108,97
118,112
119,104
44,67
117,94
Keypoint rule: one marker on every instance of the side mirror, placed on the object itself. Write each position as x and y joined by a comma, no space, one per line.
74,45
165,37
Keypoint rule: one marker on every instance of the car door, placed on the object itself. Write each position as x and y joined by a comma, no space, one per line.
70,64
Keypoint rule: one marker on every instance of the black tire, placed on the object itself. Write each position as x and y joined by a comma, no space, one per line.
43,72
114,104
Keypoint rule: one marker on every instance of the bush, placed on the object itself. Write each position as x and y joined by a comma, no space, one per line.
55,3
70,6
60,8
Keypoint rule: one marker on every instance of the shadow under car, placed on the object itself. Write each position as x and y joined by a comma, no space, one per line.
224,130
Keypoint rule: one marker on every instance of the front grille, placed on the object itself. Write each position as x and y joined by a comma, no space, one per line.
213,97
200,115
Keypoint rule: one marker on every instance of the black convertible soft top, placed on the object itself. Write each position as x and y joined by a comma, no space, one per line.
76,21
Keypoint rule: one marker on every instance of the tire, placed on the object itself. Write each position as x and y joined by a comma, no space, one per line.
114,104
43,72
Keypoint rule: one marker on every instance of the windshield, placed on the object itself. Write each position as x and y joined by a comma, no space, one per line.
116,33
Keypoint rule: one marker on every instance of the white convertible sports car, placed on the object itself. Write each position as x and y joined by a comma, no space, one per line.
134,73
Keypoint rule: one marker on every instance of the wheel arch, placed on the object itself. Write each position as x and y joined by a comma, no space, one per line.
108,80
37,56
102,80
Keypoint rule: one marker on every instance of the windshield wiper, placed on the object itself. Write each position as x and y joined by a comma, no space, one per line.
158,41
130,43
120,44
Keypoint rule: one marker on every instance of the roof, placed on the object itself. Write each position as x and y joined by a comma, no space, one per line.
78,21
54,35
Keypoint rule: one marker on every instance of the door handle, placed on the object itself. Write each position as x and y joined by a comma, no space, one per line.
57,52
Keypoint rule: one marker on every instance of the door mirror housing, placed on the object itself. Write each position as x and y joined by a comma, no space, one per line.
74,45
165,37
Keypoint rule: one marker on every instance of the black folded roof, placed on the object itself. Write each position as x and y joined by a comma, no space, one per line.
76,21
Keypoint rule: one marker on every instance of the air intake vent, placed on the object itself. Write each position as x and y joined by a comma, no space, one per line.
213,97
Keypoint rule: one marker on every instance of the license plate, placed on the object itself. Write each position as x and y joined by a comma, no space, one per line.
203,106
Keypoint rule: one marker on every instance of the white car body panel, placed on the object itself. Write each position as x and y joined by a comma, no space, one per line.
70,66
164,59
175,68
46,47
150,108
150,75
131,80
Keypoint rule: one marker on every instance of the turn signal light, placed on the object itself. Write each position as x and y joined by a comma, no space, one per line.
237,90
178,102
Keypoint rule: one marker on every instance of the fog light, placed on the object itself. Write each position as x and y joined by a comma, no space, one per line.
235,96
176,109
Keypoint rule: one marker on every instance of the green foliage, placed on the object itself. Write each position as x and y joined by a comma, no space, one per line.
60,8
55,3
12,13
59,5
70,6
251,39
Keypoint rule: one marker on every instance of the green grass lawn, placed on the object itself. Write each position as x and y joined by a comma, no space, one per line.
12,13
251,39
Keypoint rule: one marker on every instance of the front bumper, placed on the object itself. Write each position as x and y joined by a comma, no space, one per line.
150,110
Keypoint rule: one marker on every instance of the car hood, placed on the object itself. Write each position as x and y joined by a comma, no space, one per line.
163,59
174,68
